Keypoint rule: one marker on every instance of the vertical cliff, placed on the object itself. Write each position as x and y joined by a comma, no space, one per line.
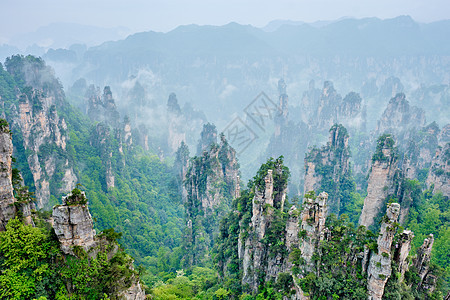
33,114
263,247
328,169
379,269
7,208
313,219
382,178
210,185
420,150
439,174
73,224
399,117
74,229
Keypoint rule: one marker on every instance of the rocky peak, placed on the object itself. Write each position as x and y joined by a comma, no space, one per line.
391,87
379,269
399,116
172,104
381,179
328,167
423,256
439,174
444,136
33,114
329,101
73,224
7,208
402,249
208,136
210,184
309,103
313,219
102,108
258,252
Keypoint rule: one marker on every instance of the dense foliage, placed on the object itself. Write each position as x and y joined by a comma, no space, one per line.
33,266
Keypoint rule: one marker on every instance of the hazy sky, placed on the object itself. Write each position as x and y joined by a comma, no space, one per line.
19,16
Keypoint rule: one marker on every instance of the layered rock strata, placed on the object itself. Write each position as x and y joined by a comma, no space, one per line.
7,208
73,224
379,269
381,179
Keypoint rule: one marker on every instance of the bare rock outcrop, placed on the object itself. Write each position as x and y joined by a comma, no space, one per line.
399,117
34,116
327,168
402,250
381,179
313,219
439,174
209,185
7,208
257,255
73,224
379,269
422,261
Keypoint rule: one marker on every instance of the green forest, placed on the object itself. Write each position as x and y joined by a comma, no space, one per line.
145,214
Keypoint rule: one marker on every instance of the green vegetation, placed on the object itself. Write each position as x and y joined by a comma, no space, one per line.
33,266
337,272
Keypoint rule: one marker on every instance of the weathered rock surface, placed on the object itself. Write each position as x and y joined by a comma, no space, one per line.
313,219
402,251
328,167
422,261
73,224
439,174
379,269
134,292
7,208
399,116
381,180
210,184
256,256
34,116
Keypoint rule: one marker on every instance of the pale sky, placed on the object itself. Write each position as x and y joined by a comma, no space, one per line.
20,16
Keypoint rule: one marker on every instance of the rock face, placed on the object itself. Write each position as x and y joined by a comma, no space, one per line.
379,269
439,174
44,134
313,223
381,179
102,108
402,251
73,226
7,208
210,184
208,136
328,168
73,223
420,150
257,256
399,116
422,261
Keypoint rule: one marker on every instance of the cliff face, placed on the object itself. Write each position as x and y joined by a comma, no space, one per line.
399,116
211,182
381,179
73,223
34,116
439,174
313,219
420,150
259,255
328,169
7,208
74,228
379,269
